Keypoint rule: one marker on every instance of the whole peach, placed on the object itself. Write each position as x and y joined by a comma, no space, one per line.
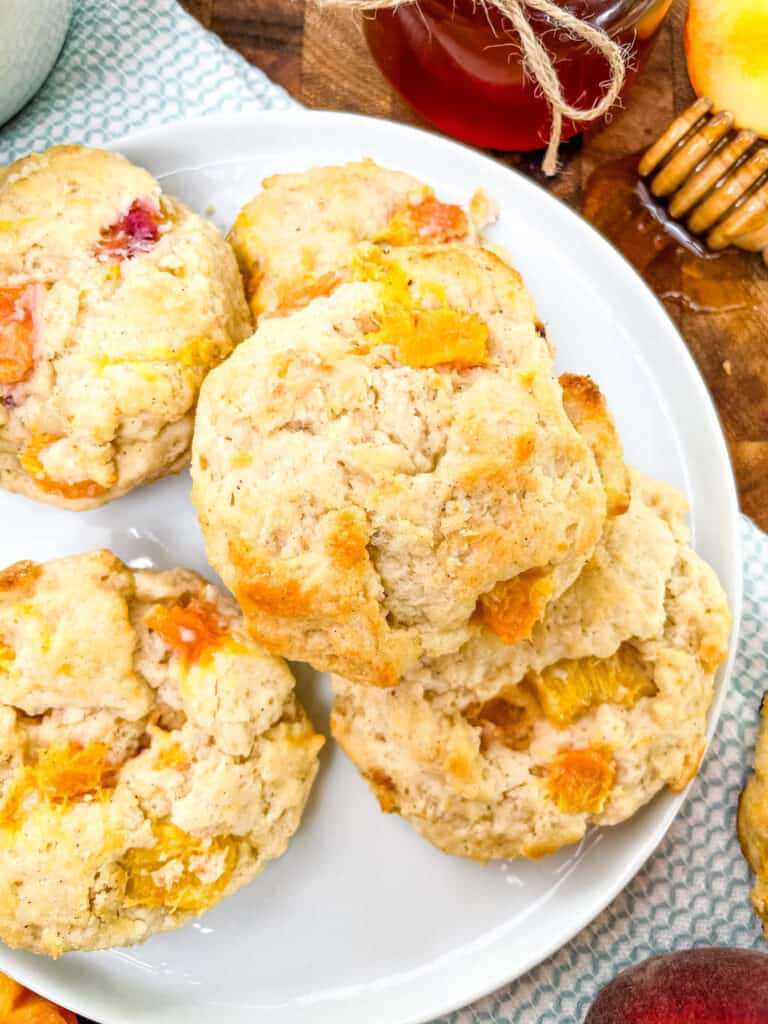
692,986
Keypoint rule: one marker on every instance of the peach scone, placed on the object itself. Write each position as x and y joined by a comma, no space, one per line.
115,301
295,239
753,820
378,469
499,751
152,758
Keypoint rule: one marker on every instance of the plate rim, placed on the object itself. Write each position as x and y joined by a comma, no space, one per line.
157,135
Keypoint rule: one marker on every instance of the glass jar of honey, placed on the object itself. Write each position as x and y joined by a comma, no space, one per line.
458,63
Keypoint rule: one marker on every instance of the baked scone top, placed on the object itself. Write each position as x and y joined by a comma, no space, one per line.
152,759
115,300
295,239
369,467
499,751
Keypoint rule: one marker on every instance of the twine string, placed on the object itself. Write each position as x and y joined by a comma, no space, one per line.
538,61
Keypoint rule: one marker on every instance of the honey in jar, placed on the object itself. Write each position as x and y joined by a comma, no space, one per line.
458,63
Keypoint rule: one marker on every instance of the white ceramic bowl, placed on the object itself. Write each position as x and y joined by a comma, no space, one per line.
31,36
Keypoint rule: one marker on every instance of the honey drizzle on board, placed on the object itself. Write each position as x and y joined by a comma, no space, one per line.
675,264
682,272
718,300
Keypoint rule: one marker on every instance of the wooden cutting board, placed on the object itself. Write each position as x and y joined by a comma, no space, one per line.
720,306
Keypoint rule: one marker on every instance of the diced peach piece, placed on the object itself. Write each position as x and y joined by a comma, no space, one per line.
136,232
31,464
312,288
726,45
580,780
182,889
62,772
441,337
427,223
426,330
508,719
513,607
69,771
17,334
569,688
171,757
190,629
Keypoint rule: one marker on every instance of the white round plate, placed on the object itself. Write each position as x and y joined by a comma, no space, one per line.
361,920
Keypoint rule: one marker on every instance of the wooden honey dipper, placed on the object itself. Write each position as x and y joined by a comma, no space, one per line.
714,178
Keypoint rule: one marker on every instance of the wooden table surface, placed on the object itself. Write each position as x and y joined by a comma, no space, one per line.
321,59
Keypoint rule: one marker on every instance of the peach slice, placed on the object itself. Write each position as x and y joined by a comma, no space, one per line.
424,335
581,780
726,45
136,232
17,330
181,887
513,607
20,1006
429,222
190,629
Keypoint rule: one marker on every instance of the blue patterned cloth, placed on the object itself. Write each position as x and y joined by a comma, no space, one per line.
126,65
129,64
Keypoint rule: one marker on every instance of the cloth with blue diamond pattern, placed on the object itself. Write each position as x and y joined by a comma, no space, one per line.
125,66
128,65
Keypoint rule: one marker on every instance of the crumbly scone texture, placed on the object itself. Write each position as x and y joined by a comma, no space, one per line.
753,820
504,752
367,468
587,409
152,758
296,237
115,301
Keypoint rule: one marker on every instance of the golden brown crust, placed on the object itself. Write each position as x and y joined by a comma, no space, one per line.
752,819
358,499
268,594
347,538
19,575
295,239
501,750
588,411
692,763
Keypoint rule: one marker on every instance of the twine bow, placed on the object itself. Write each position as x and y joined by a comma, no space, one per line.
537,59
